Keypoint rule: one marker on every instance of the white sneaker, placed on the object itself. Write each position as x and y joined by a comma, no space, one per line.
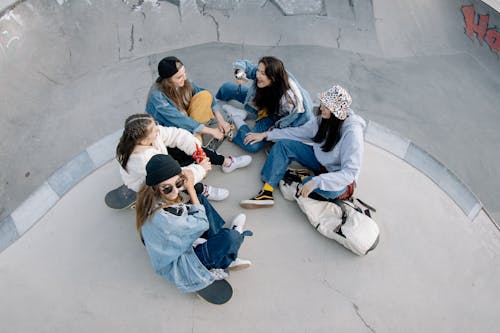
238,264
239,222
237,162
234,112
215,193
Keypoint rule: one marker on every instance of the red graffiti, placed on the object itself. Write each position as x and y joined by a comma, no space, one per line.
491,36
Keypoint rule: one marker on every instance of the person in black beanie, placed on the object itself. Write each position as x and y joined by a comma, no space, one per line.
187,243
175,101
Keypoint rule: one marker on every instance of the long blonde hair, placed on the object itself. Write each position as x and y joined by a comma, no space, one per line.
180,97
150,199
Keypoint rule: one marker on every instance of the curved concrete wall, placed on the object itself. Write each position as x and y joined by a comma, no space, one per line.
73,70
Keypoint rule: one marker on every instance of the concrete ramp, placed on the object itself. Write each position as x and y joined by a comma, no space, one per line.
425,75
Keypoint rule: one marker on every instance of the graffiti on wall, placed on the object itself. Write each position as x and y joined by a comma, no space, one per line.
483,33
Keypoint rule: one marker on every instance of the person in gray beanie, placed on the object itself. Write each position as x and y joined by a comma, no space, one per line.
186,242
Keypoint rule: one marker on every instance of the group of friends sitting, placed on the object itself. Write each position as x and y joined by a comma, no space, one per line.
162,157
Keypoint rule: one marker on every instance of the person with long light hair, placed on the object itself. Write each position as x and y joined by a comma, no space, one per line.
175,101
186,242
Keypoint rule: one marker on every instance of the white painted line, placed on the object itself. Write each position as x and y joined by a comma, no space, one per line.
33,208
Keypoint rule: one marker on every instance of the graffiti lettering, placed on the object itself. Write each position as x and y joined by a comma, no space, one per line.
491,36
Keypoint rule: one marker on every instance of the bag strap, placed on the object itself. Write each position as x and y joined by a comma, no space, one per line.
340,203
366,205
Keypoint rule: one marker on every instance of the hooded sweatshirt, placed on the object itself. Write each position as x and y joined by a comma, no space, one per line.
343,162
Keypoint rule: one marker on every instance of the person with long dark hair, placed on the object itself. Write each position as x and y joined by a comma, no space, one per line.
331,145
186,242
275,99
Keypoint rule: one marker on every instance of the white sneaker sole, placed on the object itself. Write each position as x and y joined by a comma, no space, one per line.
256,204
239,267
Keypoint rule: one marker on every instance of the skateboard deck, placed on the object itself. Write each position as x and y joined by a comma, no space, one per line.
219,292
120,198
213,144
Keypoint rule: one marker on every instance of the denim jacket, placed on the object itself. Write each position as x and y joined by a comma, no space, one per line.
299,116
169,241
160,107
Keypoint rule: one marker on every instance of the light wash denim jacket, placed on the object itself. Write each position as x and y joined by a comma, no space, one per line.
299,116
169,241
160,107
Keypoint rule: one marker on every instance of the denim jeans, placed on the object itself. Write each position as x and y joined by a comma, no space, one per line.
261,126
222,245
285,152
231,91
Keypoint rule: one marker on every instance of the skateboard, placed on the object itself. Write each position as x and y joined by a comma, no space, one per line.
120,198
213,144
219,292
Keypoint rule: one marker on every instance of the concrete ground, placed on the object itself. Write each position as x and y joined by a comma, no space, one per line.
72,71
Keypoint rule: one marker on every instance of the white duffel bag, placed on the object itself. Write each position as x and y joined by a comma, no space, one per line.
346,221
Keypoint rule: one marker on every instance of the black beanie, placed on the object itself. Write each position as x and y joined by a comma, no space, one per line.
168,67
161,167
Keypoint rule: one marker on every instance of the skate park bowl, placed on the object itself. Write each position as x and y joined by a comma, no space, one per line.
424,74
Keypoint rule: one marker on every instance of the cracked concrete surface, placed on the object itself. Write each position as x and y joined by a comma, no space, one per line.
72,71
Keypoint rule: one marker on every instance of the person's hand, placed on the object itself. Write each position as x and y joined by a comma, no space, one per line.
251,137
224,126
206,164
216,133
306,189
188,179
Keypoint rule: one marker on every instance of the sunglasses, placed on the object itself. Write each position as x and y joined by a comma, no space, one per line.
167,189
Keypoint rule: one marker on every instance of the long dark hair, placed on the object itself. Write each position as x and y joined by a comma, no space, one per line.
328,131
135,129
269,97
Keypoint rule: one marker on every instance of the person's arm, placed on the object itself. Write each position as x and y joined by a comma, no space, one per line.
199,172
178,138
303,133
248,67
351,155
189,186
167,114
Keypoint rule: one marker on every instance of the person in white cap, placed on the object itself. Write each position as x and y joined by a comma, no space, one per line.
331,145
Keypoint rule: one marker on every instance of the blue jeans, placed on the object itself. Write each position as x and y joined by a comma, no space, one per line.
231,91
222,245
261,125
285,152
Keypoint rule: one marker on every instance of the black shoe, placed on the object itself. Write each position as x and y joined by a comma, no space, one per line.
262,200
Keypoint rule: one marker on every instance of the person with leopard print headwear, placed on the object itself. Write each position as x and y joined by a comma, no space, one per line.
331,145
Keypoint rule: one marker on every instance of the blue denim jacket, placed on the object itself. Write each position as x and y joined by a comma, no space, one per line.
160,107
169,241
295,118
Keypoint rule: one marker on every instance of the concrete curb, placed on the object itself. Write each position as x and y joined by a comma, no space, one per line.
58,184
69,175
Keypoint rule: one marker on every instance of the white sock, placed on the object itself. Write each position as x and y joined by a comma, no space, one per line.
238,122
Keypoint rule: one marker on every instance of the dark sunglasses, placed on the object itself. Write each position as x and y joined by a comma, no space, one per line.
167,189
